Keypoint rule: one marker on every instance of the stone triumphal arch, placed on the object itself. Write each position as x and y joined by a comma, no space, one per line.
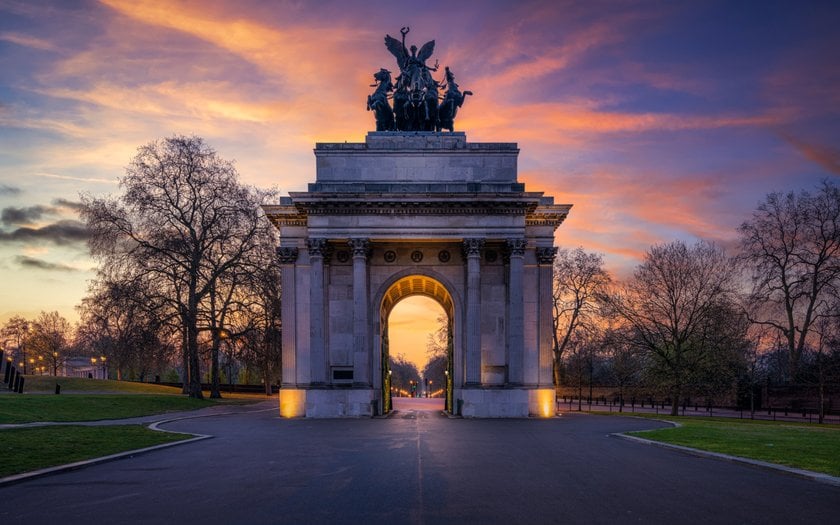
409,213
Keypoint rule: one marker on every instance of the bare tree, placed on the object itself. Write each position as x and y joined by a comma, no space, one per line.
49,340
671,305
579,279
437,351
624,365
123,322
404,374
180,219
791,246
17,330
255,326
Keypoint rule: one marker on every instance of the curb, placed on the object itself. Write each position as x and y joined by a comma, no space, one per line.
25,476
801,473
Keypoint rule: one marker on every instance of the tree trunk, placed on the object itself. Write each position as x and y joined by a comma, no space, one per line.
192,342
215,386
675,400
185,357
556,371
821,388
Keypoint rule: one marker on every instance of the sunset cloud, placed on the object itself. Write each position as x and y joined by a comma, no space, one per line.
656,120
61,233
33,263
826,156
15,216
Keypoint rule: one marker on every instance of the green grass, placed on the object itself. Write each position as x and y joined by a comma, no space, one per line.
46,384
27,449
808,447
91,407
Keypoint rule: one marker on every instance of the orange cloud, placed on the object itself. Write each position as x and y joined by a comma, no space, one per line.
286,52
824,155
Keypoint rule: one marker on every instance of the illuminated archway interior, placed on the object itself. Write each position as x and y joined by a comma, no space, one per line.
414,286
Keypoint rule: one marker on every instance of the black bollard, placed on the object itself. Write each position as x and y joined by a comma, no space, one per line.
57,389
20,385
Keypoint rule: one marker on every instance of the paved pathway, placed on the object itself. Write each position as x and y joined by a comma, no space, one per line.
418,467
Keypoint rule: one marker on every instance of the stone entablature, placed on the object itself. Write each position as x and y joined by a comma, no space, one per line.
430,206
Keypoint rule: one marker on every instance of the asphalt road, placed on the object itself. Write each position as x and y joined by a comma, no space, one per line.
418,467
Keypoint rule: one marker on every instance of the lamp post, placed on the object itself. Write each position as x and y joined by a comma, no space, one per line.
446,404
104,367
224,336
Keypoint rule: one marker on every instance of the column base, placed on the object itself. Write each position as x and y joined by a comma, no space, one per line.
327,403
505,402
292,402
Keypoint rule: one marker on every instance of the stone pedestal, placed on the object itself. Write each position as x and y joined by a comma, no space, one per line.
416,213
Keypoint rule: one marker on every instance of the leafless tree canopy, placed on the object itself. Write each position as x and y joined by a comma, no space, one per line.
184,223
673,304
579,280
791,248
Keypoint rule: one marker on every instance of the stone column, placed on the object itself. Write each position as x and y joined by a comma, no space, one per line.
516,312
318,354
288,256
545,260
361,347
472,254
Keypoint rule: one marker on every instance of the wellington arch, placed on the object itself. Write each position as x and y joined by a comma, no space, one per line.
416,213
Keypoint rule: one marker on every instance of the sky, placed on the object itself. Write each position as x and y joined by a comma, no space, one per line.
657,120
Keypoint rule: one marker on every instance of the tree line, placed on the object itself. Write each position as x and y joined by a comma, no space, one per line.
694,320
187,274
186,268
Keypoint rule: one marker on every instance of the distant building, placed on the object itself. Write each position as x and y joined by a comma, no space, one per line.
90,367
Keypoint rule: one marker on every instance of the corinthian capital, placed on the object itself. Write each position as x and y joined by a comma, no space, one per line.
360,247
516,246
472,247
317,247
545,254
287,254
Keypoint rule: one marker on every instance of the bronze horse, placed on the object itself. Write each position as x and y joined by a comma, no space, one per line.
378,101
453,100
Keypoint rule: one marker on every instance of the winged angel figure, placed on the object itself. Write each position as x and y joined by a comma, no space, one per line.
414,73
416,93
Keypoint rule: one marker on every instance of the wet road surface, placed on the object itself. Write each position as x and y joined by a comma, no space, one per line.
417,467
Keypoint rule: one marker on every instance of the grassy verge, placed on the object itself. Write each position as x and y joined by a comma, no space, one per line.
91,407
809,447
46,384
80,385
27,449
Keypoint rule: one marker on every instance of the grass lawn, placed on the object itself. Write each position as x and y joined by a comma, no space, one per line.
809,447
46,384
81,385
91,407
27,449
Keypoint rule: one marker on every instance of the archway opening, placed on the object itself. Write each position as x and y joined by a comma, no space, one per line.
417,350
